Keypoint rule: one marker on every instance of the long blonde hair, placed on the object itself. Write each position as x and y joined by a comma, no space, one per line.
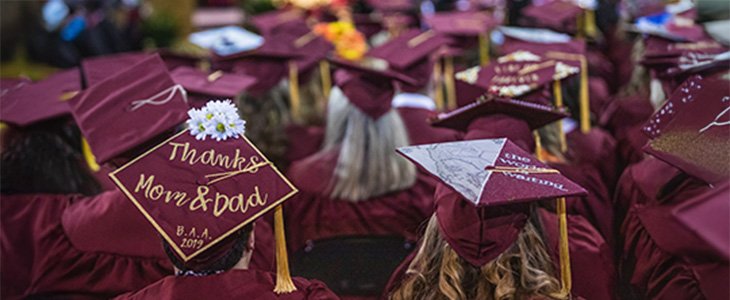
368,165
522,272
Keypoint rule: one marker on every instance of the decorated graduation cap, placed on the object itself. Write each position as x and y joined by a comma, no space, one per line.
368,84
96,69
202,86
488,183
670,26
411,53
205,183
25,103
129,108
691,130
226,40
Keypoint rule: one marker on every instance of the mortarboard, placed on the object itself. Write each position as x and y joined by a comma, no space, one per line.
482,207
27,103
129,108
227,40
461,23
203,184
670,26
368,84
9,84
202,86
534,114
270,22
690,131
96,69
410,53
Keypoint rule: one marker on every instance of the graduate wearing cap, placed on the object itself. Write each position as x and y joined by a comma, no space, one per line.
411,54
207,221
355,185
486,222
654,246
41,165
78,257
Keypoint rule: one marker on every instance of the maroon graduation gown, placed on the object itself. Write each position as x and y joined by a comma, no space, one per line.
623,118
311,215
420,130
593,272
596,149
654,257
233,284
102,246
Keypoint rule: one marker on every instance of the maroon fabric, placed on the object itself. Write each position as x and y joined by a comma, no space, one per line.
115,99
593,272
596,207
707,216
311,215
498,126
8,84
624,118
270,22
184,178
596,149
370,94
22,218
39,101
461,23
69,243
96,69
477,234
420,130
639,183
226,86
233,284
557,15
303,141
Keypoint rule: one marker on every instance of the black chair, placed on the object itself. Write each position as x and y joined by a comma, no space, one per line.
354,265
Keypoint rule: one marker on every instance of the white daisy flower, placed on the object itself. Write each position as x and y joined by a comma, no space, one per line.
197,123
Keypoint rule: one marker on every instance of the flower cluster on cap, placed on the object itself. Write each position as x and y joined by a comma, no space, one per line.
218,119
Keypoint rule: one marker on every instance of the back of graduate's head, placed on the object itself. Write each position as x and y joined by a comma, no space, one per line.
368,165
234,250
44,158
524,270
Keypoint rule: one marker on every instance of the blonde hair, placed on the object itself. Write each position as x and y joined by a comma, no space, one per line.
368,165
438,272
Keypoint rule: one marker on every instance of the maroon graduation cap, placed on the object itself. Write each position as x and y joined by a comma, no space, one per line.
557,15
392,5
202,86
197,190
411,54
96,69
27,103
691,130
461,23
368,84
536,115
482,207
270,22
129,108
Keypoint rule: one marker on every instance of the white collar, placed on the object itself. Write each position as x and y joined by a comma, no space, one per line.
413,100
569,125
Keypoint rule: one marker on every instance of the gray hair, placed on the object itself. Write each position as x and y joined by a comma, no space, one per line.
368,165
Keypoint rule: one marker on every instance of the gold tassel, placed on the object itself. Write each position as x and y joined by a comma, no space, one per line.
558,94
294,99
324,72
565,273
484,49
450,84
438,85
589,23
284,284
585,112
538,146
89,156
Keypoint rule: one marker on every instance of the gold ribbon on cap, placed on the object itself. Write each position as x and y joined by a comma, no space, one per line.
324,73
215,76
